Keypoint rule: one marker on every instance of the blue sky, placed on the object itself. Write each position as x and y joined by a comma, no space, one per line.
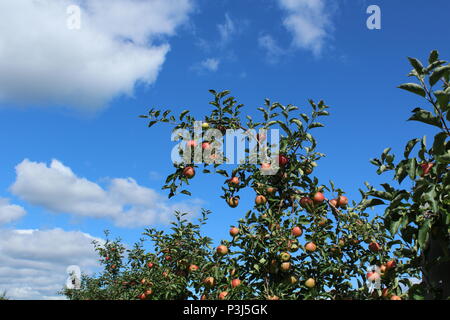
75,96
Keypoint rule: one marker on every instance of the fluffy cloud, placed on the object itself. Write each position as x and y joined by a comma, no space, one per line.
308,21
10,212
56,188
33,263
120,43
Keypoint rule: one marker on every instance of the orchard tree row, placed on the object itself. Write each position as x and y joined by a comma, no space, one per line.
303,238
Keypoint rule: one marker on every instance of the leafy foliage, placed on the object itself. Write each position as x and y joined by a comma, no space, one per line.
295,243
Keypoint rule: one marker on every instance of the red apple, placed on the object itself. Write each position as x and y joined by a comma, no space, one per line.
306,202
271,190
234,232
282,160
260,200
374,247
222,250
150,265
396,298
189,172
318,197
233,202
235,283
342,201
426,168
193,268
142,296
234,181
223,295
334,203
390,264
285,266
296,231
209,282
310,283
148,292
310,247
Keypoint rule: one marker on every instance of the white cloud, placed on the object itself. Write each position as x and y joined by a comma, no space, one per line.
273,50
210,64
56,188
308,21
33,262
120,43
226,30
10,212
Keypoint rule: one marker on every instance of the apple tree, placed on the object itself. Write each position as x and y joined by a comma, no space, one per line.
418,213
301,240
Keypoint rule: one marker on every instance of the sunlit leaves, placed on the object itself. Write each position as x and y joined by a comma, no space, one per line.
414,88
425,117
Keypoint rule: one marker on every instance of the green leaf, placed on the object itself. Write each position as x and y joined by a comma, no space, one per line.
222,172
186,192
285,128
305,117
439,143
414,88
393,228
183,113
412,168
425,117
443,98
401,171
381,195
315,125
434,56
417,65
371,203
297,122
385,153
438,74
409,146
424,234
431,197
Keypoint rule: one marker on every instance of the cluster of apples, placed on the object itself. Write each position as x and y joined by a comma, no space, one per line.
376,276
210,281
319,198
